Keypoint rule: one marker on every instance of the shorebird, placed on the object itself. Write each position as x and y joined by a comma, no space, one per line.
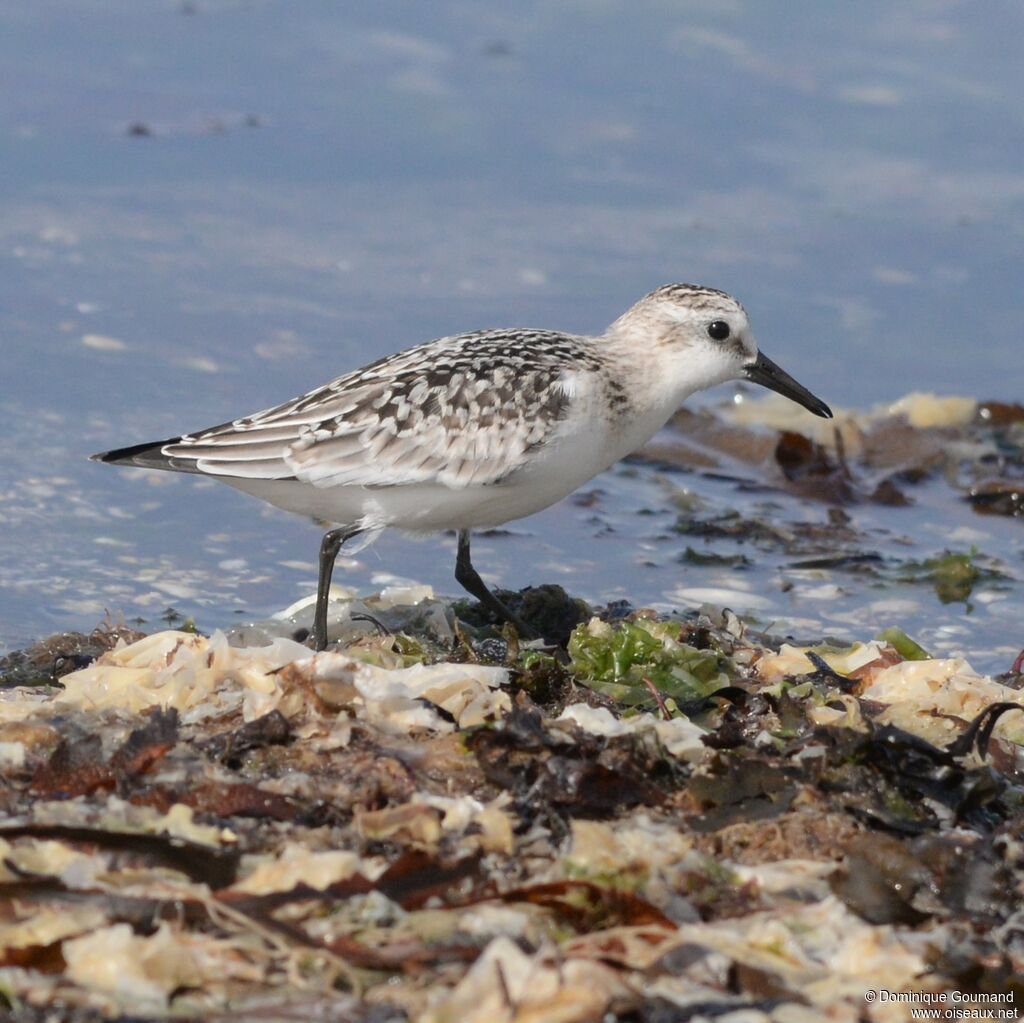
475,430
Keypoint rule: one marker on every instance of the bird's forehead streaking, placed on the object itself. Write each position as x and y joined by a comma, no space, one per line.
695,296
680,315
693,303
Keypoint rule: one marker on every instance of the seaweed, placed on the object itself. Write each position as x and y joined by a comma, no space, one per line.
360,832
903,644
623,661
953,575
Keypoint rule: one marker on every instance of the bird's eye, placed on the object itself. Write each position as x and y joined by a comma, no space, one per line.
718,330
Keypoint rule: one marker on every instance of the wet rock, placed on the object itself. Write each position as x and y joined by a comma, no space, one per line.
547,609
998,413
813,471
998,497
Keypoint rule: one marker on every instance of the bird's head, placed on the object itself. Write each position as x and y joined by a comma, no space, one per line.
707,334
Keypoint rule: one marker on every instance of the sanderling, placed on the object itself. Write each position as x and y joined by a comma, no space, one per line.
475,430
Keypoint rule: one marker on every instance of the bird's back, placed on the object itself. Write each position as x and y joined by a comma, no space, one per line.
462,410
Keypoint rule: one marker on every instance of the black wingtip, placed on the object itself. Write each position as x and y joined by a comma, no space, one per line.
149,455
105,456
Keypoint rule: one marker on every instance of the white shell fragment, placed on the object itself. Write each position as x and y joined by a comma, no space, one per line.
680,736
925,697
201,677
390,697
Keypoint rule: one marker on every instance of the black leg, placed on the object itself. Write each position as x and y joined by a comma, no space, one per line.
329,547
467,577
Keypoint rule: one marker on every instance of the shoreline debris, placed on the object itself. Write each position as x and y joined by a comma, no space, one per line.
686,813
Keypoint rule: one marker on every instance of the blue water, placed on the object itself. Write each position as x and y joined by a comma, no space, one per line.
318,184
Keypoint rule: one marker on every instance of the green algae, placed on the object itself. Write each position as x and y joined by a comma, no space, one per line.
907,648
629,879
623,661
952,575
704,559
395,650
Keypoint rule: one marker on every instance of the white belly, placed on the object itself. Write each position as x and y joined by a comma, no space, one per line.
418,507
587,444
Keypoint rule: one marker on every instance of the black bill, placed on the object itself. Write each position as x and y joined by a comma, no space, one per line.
764,372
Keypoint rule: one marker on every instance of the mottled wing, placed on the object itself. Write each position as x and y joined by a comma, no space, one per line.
461,411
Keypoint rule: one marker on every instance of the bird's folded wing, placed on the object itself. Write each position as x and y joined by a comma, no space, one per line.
402,427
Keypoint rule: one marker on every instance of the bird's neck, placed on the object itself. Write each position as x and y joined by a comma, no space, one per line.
656,375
